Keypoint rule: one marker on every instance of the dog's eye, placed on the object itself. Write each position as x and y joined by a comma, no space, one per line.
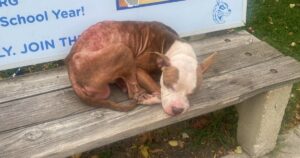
222,7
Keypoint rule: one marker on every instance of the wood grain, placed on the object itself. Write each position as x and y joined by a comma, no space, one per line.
58,104
94,128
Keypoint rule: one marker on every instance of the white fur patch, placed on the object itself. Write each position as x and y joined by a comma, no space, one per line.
183,57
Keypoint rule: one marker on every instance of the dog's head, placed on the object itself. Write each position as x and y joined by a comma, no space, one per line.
181,77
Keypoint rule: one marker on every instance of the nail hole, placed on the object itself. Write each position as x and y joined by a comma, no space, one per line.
34,134
274,71
227,40
97,114
248,54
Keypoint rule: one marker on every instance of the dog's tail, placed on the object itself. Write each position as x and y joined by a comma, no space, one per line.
96,101
207,62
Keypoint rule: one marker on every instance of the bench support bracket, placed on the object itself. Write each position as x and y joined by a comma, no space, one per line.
260,120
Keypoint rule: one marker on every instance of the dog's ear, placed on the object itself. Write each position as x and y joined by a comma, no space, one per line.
203,67
162,60
170,76
218,1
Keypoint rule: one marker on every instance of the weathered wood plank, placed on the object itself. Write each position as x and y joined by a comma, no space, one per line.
34,84
98,127
216,42
41,108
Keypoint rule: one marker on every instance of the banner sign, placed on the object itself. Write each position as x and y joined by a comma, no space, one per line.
33,32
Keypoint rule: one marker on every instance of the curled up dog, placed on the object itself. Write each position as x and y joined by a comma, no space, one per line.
128,53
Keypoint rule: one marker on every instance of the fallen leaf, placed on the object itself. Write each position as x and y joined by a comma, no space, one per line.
292,5
200,122
173,143
181,144
95,156
297,116
215,155
291,33
133,146
238,150
270,20
144,151
185,135
157,151
293,44
251,29
145,137
76,156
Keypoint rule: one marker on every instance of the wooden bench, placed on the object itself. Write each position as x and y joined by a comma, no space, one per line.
41,117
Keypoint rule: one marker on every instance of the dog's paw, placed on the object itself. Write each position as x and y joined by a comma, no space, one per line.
149,99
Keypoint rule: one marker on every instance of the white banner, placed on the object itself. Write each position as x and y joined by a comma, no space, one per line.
34,31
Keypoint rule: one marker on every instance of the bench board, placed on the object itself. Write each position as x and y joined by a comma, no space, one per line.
40,116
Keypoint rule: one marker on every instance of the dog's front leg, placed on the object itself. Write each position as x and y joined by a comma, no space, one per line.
149,84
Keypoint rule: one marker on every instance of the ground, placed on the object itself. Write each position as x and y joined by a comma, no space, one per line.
275,21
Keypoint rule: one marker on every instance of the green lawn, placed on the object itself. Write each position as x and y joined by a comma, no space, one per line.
275,22
278,23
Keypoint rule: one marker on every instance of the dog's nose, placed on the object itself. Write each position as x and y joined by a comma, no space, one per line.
177,110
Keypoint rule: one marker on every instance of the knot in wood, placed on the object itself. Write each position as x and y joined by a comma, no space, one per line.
33,134
274,71
97,114
227,40
248,54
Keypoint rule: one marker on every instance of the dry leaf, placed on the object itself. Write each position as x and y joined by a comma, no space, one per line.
185,136
145,137
173,143
238,150
181,144
291,33
297,116
144,151
293,44
271,20
95,156
200,122
133,146
251,29
77,155
157,151
292,5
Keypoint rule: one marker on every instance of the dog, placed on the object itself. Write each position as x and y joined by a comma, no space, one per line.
129,53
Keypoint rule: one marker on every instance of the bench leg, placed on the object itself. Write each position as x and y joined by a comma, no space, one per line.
260,120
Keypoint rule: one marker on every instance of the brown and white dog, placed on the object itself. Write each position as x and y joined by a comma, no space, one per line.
128,53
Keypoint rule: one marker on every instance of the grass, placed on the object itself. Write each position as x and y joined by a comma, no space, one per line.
220,131
278,23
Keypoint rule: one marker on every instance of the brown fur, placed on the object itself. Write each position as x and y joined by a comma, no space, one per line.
170,76
110,51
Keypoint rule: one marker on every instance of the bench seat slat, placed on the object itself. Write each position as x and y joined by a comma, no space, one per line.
58,104
43,82
94,128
